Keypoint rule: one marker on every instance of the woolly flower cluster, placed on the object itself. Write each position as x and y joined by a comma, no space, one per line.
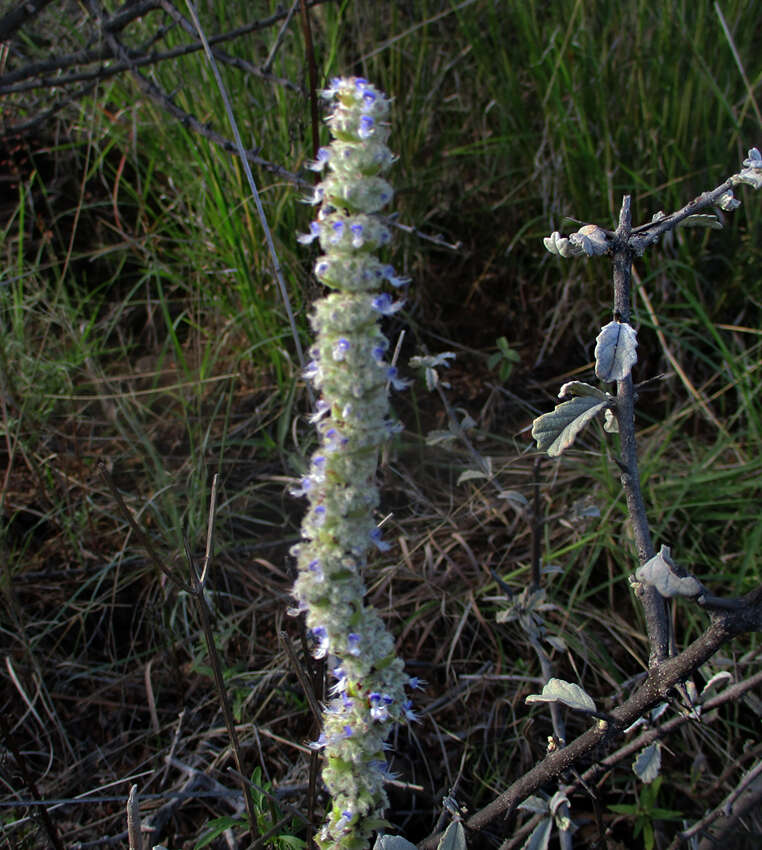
349,367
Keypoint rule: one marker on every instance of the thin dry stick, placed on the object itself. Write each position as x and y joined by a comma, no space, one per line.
312,70
18,757
134,834
143,539
729,805
198,582
308,688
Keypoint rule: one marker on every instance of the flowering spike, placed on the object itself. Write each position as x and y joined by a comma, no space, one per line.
348,366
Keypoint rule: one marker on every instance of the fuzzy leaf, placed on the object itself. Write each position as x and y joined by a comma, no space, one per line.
615,353
558,799
393,842
590,239
470,474
514,497
610,422
435,438
557,244
718,678
556,431
580,388
557,690
540,836
659,573
535,805
648,763
454,837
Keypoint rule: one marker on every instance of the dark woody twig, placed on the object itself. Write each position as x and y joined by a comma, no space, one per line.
653,604
186,118
659,681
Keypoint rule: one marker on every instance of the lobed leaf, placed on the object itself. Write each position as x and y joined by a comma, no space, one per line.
648,763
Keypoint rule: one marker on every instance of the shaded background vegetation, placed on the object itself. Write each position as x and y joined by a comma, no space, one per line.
142,327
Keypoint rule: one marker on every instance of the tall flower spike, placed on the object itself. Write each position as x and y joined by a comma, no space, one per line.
349,367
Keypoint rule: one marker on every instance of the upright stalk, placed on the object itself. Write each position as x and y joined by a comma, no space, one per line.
352,416
654,607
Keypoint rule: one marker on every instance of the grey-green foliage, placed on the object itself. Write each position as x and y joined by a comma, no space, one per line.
647,764
615,351
556,431
454,837
571,695
660,572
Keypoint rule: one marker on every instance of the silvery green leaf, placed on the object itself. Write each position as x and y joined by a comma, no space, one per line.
514,497
584,508
610,422
718,678
558,799
557,643
431,361
615,353
467,423
710,221
393,842
754,160
590,239
728,202
435,438
660,573
454,837
648,763
559,808
580,388
470,474
552,569
750,176
540,836
557,690
641,721
535,805
556,431
557,244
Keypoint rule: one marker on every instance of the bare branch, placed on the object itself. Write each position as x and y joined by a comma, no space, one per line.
656,687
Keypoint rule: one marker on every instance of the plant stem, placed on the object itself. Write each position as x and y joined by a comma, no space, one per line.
657,623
